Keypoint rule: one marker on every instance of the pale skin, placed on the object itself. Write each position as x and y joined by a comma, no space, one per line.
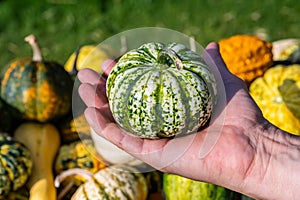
251,156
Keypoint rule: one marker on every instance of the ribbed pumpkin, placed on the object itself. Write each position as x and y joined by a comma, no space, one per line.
15,165
160,90
277,93
38,90
115,182
181,188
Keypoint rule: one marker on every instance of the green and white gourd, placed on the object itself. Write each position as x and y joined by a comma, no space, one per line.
115,182
161,90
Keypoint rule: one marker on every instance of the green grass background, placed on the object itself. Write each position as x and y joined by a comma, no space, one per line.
63,25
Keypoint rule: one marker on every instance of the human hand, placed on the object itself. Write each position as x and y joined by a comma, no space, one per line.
233,157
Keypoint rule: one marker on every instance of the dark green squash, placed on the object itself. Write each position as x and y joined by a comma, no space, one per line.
39,90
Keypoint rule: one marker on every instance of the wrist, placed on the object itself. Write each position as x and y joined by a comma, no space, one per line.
275,172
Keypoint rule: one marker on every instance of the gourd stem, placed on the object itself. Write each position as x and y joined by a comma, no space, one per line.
71,172
168,56
32,40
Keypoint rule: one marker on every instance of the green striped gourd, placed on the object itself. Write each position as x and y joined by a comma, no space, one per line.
78,154
36,89
114,182
15,165
180,188
160,90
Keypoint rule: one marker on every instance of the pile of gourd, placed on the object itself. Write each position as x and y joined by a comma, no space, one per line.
45,156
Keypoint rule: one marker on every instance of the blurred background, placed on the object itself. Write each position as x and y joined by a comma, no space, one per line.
63,25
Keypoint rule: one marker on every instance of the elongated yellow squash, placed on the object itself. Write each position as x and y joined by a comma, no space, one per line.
43,141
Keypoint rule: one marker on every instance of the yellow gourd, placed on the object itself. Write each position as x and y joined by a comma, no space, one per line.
87,56
277,93
43,140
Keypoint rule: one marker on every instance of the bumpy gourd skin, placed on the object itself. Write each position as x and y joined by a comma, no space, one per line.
15,164
246,56
151,96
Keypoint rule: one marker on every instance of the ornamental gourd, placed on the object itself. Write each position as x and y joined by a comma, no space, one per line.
160,90
246,56
43,141
115,182
89,56
80,154
15,165
38,90
181,188
277,93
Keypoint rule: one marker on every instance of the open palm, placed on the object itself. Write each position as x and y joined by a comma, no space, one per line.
224,153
